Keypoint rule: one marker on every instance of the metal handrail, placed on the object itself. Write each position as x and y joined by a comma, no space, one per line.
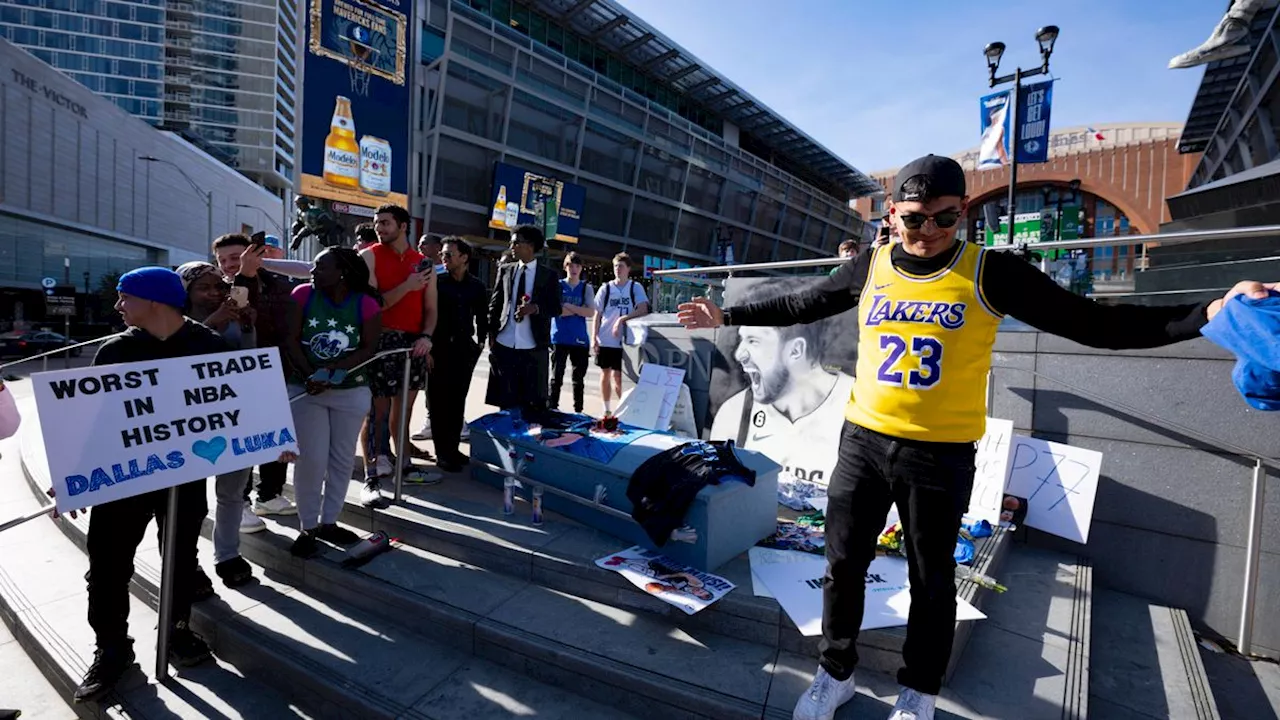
1217,443
1174,238
61,350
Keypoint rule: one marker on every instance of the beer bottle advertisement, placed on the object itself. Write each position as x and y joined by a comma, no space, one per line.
356,102
521,197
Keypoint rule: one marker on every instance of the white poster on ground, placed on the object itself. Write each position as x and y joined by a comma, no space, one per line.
992,467
115,431
798,587
1059,483
684,586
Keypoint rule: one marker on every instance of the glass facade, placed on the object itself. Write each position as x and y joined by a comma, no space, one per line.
220,72
112,47
656,182
30,251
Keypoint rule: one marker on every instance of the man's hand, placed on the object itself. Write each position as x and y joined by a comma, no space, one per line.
618,325
251,260
700,313
1250,288
220,318
287,457
417,280
422,347
595,347
527,309
73,513
315,387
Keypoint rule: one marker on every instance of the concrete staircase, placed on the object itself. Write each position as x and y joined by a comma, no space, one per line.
477,615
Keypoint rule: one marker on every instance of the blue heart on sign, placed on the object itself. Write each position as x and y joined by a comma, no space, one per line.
210,450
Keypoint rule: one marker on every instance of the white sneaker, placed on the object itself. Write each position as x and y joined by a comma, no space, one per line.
278,505
824,697
371,494
250,523
425,432
914,705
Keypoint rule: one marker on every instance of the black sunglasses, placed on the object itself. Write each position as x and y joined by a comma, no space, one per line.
944,219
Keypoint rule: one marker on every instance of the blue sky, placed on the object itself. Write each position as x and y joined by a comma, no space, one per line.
881,83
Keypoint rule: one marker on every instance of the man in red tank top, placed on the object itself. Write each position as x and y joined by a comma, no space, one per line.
408,319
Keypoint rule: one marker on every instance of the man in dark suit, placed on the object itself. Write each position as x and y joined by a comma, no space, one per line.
525,299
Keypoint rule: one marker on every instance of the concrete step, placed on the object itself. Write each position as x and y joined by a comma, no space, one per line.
371,659
1030,658
1146,662
43,602
462,519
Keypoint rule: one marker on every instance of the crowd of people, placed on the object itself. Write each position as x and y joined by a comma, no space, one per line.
345,325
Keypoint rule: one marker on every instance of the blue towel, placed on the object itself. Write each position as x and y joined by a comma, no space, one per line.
1250,329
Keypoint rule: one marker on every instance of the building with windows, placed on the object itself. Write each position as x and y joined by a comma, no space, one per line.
221,73
87,191
1111,179
675,159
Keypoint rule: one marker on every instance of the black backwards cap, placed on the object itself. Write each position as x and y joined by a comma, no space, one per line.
945,178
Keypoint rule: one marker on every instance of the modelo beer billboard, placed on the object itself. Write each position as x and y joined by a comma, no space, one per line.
521,197
356,101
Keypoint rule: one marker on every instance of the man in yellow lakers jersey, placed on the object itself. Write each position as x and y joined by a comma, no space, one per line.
928,309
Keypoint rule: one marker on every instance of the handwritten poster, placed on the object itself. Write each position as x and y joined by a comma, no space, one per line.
797,585
652,403
1059,482
115,431
992,467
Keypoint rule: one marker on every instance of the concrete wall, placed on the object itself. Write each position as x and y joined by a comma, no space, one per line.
70,157
1171,517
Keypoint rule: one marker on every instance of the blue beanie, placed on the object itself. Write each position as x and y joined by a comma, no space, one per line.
156,284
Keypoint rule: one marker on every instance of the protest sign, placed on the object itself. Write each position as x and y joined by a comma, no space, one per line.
797,585
1059,482
115,431
684,586
992,466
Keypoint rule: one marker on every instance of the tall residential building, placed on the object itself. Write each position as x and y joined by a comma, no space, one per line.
220,73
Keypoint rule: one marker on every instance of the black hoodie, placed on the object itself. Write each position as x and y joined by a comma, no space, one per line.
138,345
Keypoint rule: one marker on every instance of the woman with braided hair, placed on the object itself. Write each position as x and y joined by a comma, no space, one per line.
334,326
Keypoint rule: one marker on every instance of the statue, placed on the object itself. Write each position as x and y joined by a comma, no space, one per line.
314,220
1229,39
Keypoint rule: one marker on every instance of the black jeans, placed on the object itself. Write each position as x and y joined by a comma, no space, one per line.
271,477
447,387
930,482
580,356
115,529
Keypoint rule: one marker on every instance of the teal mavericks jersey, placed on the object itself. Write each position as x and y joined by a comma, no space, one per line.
330,332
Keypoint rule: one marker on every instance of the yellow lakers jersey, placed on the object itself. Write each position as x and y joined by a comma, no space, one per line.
924,350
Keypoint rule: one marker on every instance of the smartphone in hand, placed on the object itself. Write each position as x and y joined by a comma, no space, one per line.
240,295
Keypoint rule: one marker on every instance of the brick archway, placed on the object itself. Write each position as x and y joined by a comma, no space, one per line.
1134,178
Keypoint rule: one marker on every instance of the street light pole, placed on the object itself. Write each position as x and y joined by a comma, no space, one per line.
1046,37
206,196
266,215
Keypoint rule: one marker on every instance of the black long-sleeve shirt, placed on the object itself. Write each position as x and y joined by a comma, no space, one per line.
1012,287
463,311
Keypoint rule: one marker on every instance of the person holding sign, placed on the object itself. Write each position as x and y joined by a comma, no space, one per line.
335,325
151,302
928,309
210,302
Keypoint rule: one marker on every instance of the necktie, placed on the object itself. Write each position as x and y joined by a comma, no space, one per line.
518,290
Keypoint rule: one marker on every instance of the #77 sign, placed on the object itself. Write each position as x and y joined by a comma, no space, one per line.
115,431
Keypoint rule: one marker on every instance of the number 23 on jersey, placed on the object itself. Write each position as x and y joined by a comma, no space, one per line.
922,371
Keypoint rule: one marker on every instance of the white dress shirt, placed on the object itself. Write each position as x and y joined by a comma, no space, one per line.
519,335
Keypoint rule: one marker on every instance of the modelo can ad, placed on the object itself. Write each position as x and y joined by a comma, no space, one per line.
356,102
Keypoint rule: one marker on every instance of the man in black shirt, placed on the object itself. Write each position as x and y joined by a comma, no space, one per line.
151,301
462,326
909,435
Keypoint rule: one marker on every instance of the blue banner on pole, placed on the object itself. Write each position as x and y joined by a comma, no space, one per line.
994,113
1033,119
